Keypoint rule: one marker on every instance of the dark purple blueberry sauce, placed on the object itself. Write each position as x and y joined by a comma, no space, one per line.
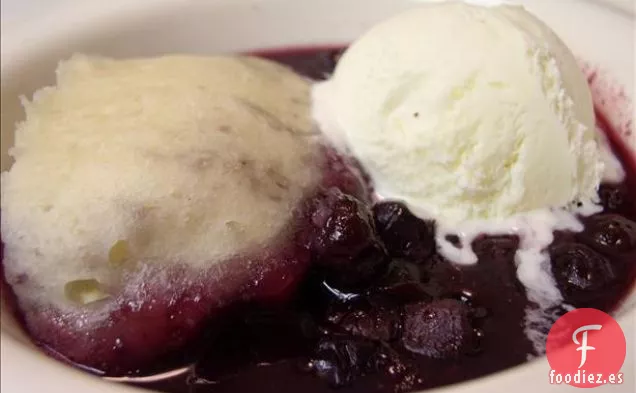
381,311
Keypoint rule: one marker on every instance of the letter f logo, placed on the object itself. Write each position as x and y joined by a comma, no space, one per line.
583,344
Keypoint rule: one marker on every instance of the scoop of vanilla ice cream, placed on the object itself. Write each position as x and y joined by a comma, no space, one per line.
186,160
465,112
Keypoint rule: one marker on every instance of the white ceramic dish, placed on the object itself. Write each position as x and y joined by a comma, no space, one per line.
602,32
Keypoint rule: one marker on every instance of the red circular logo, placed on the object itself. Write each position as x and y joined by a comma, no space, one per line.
586,348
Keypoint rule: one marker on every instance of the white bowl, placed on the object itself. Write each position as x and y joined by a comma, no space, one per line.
599,31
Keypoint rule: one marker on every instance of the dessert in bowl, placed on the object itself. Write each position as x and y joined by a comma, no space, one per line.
342,279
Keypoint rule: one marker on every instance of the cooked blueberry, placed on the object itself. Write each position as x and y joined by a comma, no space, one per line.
356,272
614,197
375,323
580,272
334,294
610,234
401,283
339,360
400,272
343,241
404,235
440,329
343,227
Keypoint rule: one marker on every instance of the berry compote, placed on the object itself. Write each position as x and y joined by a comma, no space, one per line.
381,311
